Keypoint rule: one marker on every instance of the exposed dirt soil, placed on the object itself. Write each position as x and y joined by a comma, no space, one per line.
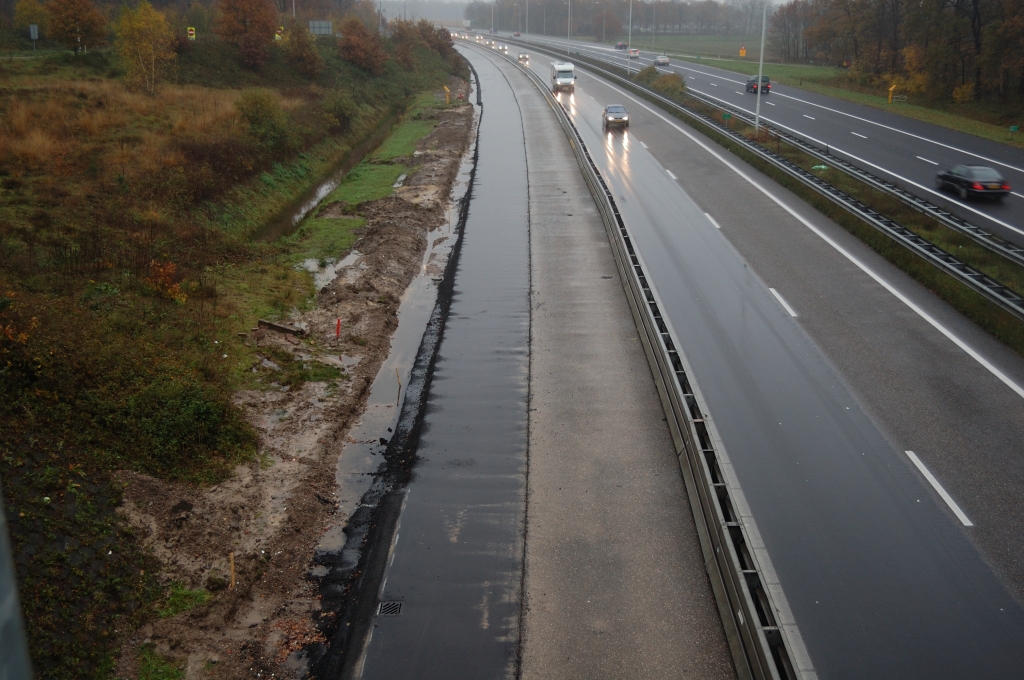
270,514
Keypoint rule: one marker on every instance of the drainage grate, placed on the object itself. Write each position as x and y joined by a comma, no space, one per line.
389,609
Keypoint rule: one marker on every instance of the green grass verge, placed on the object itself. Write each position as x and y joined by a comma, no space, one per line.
182,599
367,182
152,666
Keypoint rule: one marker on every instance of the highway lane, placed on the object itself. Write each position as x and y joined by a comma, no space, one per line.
882,577
905,151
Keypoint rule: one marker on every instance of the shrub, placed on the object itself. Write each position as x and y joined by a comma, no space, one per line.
341,109
301,52
647,76
671,85
267,122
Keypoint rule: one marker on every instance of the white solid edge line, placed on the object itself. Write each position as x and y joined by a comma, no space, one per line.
670,174
1005,379
783,302
1016,194
904,132
922,158
642,144
938,487
859,135
712,220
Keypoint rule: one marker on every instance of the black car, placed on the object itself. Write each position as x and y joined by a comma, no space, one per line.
620,45
752,84
974,181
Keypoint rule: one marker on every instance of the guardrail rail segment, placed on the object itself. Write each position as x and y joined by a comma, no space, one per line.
761,631
971,277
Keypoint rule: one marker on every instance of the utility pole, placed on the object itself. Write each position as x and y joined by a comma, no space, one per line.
568,30
604,24
527,17
760,69
544,20
293,9
492,16
654,22
629,39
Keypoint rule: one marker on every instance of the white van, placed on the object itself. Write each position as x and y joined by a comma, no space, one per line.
562,76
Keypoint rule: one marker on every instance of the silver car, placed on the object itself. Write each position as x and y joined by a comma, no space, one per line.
615,115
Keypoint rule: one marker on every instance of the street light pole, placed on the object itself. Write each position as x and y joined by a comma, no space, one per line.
527,17
492,17
629,39
568,30
760,69
654,22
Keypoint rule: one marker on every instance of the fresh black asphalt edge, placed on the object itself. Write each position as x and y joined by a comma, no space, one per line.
992,290
351,588
763,636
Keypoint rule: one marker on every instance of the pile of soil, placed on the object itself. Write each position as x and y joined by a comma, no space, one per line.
267,518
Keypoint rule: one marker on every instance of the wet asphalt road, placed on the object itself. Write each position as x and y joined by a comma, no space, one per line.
882,578
457,553
902,150
615,585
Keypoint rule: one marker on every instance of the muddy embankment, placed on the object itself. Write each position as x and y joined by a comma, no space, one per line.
270,515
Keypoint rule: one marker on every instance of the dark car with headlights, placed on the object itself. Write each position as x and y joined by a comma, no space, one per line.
973,181
615,116
620,45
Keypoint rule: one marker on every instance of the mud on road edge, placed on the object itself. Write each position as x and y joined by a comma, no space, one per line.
351,587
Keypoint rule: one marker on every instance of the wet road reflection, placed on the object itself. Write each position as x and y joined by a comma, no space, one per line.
456,560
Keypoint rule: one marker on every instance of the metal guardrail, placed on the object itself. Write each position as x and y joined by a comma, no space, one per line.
762,634
971,277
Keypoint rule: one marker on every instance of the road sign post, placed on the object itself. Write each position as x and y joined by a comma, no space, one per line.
33,34
1013,129
191,31
743,50
726,116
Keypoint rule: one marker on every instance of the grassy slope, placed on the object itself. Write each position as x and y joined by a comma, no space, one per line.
139,367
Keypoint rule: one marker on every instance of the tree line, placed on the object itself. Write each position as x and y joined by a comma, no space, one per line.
965,50
147,40
610,18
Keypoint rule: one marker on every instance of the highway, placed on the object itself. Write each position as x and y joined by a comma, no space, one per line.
823,367
902,150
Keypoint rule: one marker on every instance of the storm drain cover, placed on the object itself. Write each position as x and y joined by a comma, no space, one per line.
390,608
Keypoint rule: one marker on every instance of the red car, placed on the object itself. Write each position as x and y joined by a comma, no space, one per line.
516,34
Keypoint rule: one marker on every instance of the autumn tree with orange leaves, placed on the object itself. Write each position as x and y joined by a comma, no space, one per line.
77,24
361,47
251,25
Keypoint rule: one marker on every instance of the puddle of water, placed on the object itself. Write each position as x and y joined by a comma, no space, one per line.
323,275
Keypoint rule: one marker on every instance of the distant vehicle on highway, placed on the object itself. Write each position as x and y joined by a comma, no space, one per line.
765,83
503,49
661,60
563,76
516,34
973,181
634,53
620,45
615,115
523,58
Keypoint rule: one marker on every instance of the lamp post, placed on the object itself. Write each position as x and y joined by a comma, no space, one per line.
629,39
527,17
760,69
492,16
654,22
568,29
